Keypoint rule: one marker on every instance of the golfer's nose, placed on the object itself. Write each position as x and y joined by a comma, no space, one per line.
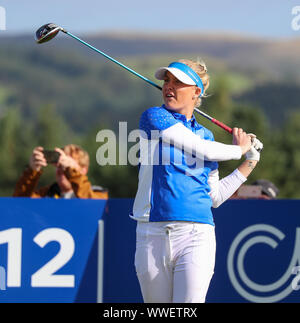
170,85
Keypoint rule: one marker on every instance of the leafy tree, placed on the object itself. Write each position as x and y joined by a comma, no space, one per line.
14,138
287,152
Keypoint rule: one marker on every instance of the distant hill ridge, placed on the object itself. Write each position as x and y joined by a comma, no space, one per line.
278,55
138,43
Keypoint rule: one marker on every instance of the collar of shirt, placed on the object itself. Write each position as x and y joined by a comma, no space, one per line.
192,123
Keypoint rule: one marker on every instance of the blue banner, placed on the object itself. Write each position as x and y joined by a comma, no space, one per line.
258,252
257,259
48,249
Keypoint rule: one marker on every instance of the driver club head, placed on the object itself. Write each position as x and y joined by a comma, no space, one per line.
47,32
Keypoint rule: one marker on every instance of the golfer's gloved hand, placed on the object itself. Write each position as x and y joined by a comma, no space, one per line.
256,148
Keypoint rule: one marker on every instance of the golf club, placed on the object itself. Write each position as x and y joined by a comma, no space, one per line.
49,31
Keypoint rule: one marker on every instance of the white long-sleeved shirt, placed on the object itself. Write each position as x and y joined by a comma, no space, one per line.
222,190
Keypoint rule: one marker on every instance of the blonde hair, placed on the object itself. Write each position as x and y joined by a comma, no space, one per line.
77,153
200,68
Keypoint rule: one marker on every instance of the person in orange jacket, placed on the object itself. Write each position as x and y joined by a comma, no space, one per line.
71,176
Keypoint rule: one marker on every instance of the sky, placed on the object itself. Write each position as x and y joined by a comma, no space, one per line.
264,18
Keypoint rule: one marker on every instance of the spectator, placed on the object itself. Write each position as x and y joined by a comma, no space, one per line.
268,189
260,189
71,176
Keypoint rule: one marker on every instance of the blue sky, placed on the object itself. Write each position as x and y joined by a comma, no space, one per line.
266,18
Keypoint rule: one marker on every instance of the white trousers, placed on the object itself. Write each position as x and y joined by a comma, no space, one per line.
174,261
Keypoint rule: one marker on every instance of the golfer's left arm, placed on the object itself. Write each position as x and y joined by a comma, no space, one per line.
222,190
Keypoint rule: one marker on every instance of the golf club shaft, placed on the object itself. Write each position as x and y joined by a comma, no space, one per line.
215,121
113,60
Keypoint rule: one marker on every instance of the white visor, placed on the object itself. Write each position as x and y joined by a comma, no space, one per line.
181,76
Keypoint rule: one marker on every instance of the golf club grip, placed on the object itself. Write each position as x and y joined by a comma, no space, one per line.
222,125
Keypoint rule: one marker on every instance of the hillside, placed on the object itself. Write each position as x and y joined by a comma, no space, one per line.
62,92
88,89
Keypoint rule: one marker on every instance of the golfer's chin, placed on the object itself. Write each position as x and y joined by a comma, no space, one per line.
171,104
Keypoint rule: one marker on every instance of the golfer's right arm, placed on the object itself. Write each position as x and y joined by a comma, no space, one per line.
175,133
182,137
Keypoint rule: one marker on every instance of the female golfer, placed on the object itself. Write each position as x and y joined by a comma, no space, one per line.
178,185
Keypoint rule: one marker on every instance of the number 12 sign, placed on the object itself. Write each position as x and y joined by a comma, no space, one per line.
49,249
43,277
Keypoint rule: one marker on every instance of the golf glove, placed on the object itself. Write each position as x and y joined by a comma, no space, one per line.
254,152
